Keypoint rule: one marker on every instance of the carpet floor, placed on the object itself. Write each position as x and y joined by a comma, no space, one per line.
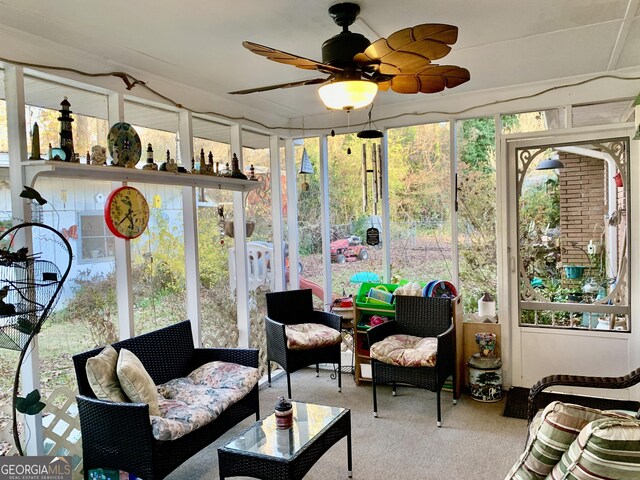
475,442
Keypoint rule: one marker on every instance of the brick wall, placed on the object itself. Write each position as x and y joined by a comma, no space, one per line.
582,205
622,222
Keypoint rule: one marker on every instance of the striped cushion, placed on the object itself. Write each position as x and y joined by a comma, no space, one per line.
558,426
605,449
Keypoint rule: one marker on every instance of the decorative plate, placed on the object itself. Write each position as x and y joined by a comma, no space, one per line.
124,140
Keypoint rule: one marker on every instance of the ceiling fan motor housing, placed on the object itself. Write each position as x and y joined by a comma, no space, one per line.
340,49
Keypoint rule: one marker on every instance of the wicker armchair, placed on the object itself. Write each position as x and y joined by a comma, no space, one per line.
538,399
296,307
420,317
119,435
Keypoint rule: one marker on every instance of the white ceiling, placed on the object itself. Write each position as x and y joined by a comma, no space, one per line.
197,43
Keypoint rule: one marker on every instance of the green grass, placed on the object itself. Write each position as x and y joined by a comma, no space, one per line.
58,342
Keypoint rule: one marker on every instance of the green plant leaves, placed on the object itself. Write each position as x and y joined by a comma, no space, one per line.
31,404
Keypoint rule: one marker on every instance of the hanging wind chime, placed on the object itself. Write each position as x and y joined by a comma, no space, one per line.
305,168
221,223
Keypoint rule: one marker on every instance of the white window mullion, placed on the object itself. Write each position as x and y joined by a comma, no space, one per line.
277,268
240,242
453,202
292,214
14,95
325,220
124,286
190,221
386,223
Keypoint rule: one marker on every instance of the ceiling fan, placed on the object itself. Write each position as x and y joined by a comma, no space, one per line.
357,68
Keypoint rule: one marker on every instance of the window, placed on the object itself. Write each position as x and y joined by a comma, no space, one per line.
95,239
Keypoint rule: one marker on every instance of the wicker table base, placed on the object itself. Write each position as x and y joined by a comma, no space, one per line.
263,451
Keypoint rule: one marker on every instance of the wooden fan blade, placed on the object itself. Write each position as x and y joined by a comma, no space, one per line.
407,50
384,85
439,32
313,81
289,58
432,79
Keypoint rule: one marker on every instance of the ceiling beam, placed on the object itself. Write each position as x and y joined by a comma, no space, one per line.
625,27
625,115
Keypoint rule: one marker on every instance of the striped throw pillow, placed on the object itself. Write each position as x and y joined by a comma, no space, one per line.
605,449
550,436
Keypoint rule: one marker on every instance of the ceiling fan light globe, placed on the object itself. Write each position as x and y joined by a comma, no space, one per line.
348,94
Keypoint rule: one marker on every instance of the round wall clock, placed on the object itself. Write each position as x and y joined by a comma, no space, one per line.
124,140
126,212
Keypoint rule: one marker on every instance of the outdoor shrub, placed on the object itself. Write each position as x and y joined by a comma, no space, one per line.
94,305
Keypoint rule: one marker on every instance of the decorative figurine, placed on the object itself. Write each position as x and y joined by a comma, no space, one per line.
150,165
226,172
210,164
66,136
98,155
236,172
203,164
163,165
115,158
171,165
252,173
193,165
216,172
284,414
87,158
35,143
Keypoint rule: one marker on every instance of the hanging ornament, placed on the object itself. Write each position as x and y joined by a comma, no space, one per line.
333,132
221,223
304,186
305,163
349,151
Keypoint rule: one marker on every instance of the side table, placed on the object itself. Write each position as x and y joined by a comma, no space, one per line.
264,451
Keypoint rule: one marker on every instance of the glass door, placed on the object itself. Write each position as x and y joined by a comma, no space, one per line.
569,230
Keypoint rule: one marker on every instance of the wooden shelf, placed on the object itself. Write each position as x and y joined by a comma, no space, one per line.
50,168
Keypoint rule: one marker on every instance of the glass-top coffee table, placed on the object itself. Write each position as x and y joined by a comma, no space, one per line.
263,451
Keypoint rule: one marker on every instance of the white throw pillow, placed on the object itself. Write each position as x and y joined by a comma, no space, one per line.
136,383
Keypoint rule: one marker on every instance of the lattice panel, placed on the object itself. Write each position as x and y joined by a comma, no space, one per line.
6,436
62,427
222,338
259,341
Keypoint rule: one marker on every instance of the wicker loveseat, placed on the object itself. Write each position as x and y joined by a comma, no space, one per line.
579,437
119,435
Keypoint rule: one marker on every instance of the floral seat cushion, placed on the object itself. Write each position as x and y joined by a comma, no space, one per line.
191,402
307,336
406,351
